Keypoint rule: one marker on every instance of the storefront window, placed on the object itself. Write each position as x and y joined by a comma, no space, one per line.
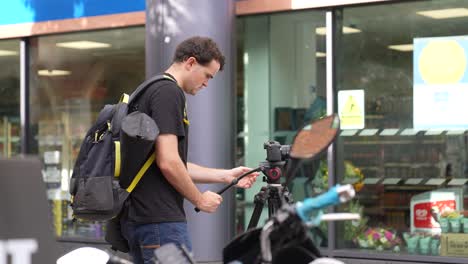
402,85
72,77
281,86
10,98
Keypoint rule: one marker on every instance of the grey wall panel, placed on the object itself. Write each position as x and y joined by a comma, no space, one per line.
211,112
26,231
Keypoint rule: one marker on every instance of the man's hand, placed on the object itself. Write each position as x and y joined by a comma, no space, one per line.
209,202
245,182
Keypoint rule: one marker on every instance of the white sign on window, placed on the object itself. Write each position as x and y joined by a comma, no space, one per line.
440,92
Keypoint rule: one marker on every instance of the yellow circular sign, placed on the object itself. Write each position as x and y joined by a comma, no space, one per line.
442,62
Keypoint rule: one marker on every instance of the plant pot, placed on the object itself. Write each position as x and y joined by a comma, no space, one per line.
455,225
411,243
424,245
465,224
435,243
444,225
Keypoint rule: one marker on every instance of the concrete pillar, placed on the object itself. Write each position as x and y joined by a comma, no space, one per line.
211,112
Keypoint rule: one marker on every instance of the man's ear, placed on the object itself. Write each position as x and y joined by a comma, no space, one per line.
190,62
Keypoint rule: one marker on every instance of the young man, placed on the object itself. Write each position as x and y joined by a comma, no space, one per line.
155,215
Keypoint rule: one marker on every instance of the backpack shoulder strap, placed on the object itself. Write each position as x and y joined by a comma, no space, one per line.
142,87
139,90
140,173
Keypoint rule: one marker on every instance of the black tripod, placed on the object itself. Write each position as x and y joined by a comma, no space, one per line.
274,194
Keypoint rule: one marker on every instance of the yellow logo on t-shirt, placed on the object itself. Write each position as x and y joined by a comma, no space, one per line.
186,121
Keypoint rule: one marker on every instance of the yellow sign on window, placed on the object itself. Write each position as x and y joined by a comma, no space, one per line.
351,109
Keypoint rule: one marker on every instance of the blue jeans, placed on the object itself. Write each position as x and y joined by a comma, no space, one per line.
143,239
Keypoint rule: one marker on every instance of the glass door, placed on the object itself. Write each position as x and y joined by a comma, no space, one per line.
10,144
72,77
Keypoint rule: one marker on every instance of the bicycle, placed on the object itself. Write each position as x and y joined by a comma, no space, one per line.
283,239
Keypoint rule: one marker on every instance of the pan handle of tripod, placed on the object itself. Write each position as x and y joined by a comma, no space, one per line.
334,196
234,182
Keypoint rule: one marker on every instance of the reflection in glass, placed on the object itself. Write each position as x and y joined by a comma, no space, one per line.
282,87
10,98
409,181
72,77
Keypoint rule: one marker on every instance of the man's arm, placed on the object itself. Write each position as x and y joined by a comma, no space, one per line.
173,169
201,174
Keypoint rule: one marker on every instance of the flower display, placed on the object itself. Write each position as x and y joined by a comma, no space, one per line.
451,214
380,239
353,172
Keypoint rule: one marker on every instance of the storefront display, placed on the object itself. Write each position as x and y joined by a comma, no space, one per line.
66,96
281,91
414,175
410,178
10,143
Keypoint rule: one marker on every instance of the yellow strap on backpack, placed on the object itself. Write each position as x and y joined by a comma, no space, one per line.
124,98
117,159
140,173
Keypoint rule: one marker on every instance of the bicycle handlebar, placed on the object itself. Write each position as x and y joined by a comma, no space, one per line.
337,194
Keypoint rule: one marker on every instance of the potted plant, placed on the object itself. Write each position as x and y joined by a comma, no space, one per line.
424,244
444,222
454,218
435,244
412,241
465,222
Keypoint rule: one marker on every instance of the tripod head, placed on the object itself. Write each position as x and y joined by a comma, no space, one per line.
275,151
308,143
276,159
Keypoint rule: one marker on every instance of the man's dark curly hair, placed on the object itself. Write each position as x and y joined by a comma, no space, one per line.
203,49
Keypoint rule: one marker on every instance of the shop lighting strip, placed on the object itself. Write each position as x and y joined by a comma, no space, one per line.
414,181
457,182
399,132
391,181
455,132
444,13
368,132
434,182
348,132
409,132
389,132
372,180
434,132
8,53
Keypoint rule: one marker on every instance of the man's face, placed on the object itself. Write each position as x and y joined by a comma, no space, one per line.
199,75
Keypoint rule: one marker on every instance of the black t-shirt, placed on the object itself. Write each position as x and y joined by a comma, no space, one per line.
154,199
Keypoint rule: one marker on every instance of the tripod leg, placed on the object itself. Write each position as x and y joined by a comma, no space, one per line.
273,206
259,201
287,196
274,202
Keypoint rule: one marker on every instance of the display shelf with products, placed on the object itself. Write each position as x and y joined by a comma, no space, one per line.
9,136
408,180
59,139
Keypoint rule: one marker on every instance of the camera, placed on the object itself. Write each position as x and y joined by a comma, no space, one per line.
275,151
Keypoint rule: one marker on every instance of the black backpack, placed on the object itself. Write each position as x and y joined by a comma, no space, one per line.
102,160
